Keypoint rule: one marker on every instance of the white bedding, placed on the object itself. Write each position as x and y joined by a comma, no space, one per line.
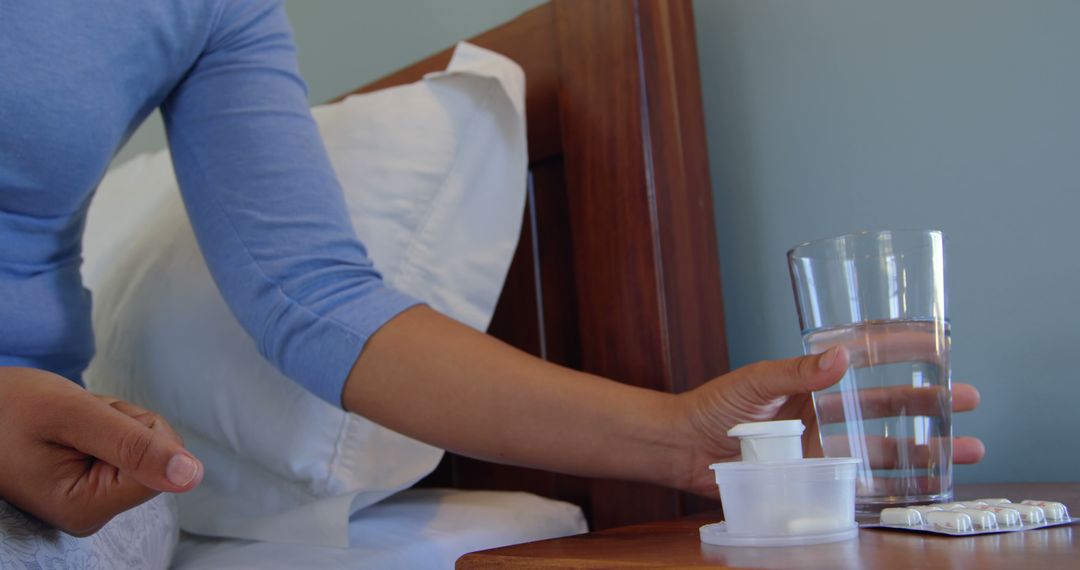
415,529
142,538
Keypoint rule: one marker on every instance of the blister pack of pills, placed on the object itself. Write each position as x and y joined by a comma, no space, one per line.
981,516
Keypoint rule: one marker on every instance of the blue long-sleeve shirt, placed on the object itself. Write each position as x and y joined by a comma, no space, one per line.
76,79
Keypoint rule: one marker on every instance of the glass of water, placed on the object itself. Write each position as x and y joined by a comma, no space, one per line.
882,296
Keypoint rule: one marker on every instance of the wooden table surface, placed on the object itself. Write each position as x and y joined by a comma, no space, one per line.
676,544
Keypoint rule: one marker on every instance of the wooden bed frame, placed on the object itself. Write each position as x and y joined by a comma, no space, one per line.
617,270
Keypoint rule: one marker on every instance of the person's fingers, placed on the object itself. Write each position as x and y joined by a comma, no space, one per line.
151,457
86,495
896,401
882,402
896,453
965,397
965,450
772,379
86,499
887,453
888,344
968,450
149,419
101,493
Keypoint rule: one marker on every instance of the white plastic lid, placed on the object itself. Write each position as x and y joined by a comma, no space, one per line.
781,428
764,442
811,467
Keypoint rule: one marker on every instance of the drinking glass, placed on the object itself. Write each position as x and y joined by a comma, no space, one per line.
881,295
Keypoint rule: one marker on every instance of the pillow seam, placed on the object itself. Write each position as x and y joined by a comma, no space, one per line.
338,454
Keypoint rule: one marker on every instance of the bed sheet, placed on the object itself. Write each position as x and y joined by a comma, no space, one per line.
419,528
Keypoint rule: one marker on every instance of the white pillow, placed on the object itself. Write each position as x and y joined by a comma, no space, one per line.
434,178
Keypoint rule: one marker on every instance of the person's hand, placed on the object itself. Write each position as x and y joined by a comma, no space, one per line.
75,460
779,390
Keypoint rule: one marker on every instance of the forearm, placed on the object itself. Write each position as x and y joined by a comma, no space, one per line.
431,378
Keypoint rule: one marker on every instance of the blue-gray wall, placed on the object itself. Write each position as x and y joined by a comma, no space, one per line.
829,116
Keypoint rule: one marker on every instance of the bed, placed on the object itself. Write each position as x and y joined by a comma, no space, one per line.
615,272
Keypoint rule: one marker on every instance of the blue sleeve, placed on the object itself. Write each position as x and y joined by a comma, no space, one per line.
266,205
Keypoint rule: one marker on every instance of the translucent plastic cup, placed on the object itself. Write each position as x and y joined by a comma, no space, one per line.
881,295
805,501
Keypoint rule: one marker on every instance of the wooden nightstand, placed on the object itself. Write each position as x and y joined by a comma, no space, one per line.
675,543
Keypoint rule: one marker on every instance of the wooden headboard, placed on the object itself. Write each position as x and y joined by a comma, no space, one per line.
617,271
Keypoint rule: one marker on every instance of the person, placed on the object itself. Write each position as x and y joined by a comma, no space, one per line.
76,78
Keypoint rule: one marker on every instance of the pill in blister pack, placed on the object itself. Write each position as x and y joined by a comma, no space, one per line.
1005,516
949,520
1053,511
981,516
902,517
980,520
1030,514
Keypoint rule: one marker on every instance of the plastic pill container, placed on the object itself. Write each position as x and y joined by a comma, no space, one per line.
783,501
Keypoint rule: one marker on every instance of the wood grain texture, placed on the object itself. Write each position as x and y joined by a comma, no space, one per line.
680,187
649,298
675,543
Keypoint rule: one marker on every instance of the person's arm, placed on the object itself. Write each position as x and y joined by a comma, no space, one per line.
434,379
429,377
266,206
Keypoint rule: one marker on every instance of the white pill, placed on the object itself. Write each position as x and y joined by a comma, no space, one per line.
1006,516
952,506
902,517
1030,514
949,520
973,504
1053,511
994,501
923,509
981,520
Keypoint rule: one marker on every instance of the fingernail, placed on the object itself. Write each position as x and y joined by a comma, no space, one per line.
181,470
825,361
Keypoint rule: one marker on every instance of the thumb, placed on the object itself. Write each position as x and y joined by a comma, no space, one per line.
151,457
800,375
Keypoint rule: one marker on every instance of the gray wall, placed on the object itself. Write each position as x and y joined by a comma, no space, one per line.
830,116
